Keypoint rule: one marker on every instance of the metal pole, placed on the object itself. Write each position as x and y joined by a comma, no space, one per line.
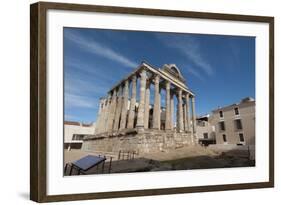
109,169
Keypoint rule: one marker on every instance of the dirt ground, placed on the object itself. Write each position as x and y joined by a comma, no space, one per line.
180,159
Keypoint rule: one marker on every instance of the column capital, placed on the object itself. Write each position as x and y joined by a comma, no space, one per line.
143,72
126,83
120,88
193,99
168,84
114,91
179,93
179,90
134,78
157,78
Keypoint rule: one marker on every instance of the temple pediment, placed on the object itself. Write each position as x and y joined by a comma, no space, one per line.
173,71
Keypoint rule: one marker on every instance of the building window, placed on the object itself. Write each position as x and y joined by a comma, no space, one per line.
222,126
77,137
205,135
236,111
241,137
221,114
238,124
224,137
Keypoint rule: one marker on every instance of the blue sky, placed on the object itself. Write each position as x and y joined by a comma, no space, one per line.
219,69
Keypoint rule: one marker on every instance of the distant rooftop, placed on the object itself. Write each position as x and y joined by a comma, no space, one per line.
247,100
77,123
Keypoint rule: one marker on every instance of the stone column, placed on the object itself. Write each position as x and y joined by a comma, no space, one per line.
193,114
100,107
101,124
172,111
98,118
131,117
140,117
156,108
112,111
124,106
168,107
118,109
184,116
180,113
107,111
146,108
187,112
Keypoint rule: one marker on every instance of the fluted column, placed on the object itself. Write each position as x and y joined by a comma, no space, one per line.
156,108
112,111
131,117
146,107
187,102
168,107
101,127
184,117
98,117
140,117
125,105
193,114
172,111
107,111
180,113
118,109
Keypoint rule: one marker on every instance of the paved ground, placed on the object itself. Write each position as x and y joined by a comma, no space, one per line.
180,159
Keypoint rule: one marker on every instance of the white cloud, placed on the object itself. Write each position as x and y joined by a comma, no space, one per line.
78,86
195,73
190,47
73,100
99,49
87,67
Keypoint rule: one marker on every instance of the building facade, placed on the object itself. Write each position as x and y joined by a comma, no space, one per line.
235,124
206,133
149,126
74,133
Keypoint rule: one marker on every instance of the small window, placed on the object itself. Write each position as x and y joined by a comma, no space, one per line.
236,111
224,137
221,114
222,126
77,137
241,137
238,124
205,135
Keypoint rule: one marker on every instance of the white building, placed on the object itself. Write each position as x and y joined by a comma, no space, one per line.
74,132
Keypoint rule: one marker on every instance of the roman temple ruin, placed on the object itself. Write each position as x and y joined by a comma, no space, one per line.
131,121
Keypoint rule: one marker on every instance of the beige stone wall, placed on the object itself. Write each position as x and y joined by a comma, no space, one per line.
247,116
141,143
70,130
207,128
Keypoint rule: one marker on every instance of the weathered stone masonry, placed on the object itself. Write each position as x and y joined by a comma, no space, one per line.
125,124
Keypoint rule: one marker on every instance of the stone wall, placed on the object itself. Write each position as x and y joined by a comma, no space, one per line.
146,142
